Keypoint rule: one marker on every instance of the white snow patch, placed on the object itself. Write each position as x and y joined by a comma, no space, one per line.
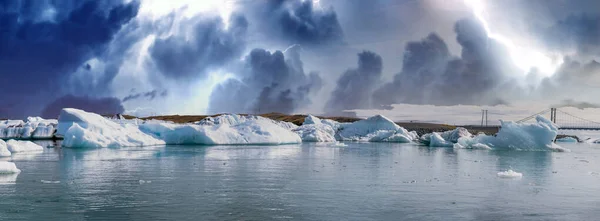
509,174
81,129
8,168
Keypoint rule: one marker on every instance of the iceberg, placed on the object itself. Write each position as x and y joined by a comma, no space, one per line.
224,129
34,128
8,168
445,139
567,140
17,146
81,129
314,130
517,136
375,129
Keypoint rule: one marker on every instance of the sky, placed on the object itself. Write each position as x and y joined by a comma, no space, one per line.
155,57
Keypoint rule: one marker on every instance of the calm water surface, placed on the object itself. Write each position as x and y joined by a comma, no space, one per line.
363,181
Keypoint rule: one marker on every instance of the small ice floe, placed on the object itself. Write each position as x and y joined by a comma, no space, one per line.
8,168
340,144
510,174
50,181
145,181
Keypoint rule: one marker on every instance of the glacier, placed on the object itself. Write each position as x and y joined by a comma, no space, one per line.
375,129
517,136
33,128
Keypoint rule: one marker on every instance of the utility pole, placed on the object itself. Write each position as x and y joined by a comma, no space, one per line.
486,118
482,115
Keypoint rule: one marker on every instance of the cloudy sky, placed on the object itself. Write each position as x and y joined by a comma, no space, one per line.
149,57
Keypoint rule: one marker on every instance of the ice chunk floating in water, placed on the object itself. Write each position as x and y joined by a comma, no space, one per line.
509,174
224,129
16,146
34,128
375,129
517,136
4,152
567,140
445,139
88,130
314,130
8,168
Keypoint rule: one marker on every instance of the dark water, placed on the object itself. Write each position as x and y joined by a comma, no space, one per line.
365,181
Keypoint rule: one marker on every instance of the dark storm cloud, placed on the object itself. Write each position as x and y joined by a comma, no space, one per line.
580,33
108,105
354,87
210,45
43,42
150,95
268,82
573,80
430,75
298,22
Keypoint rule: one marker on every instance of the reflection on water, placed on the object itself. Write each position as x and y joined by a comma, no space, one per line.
363,181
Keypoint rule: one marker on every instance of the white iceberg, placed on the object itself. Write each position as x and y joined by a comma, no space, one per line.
34,128
567,140
509,174
517,136
445,139
17,146
314,130
4,152
8,168
224,129
375,129
81,129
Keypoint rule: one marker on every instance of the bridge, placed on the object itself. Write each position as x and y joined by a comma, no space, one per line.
564,120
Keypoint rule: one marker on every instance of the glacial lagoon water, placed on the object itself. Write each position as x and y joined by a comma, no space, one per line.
362,181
